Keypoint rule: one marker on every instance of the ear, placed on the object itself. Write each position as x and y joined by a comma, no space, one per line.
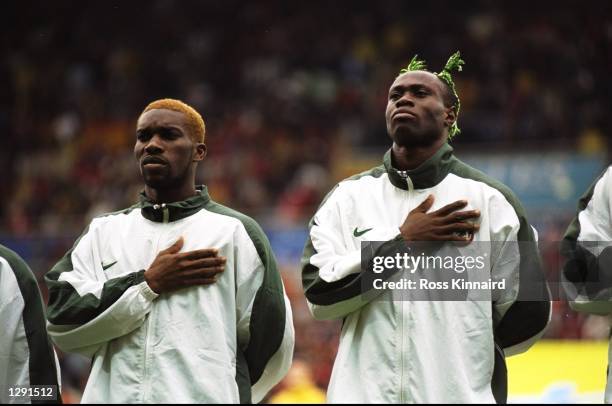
200,152
450,117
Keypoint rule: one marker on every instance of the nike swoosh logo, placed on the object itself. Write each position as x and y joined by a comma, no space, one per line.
358,233
105,267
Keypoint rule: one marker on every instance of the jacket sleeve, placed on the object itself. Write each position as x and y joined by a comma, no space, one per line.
587,248
522,310
331,263
265,330
86,309
26,354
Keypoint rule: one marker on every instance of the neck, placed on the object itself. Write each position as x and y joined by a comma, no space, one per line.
408,158
170,195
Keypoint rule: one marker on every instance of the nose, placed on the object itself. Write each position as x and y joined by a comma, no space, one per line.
154,145
405,100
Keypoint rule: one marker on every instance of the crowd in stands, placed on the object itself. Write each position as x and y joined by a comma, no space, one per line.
293,94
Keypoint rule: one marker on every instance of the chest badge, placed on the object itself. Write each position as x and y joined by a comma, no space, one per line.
358,233
106,266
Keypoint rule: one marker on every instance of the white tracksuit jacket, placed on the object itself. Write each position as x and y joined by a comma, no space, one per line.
227,342
587,246
26,354
422,351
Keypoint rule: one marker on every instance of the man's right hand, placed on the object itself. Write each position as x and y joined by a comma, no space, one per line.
173,270
440,225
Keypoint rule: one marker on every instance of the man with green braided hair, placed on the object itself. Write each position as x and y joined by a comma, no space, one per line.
440,348
451,99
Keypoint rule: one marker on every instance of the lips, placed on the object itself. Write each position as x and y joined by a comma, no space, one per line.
153,160
404,113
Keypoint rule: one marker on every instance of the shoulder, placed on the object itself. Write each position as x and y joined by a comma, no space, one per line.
348,188
356,184
242,221
16,263
114,216
503,203
600,188
23,275
597,200
606,174
594,210
371,175
491,185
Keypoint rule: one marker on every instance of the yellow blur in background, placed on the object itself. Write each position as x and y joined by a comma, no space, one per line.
559,371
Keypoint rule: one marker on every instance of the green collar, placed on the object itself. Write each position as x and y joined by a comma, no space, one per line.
168,212
426,175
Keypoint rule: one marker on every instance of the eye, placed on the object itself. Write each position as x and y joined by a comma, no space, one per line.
170,133
421,93
394,96
142,136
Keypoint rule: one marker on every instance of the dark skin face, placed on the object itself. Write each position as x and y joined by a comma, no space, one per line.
418,123
167,155
417,119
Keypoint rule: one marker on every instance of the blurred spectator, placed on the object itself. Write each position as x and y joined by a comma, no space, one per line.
299,386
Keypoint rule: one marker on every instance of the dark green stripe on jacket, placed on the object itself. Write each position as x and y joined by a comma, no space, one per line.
42,368
267,322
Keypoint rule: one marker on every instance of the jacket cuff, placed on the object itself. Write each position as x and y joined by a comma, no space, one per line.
145,289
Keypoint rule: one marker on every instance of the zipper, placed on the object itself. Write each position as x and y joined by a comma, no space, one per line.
410,184
149,331
165,212
145,382
404,324
404,175
402,386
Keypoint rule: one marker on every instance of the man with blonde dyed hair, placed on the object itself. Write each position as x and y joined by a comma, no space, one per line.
195,122
177,298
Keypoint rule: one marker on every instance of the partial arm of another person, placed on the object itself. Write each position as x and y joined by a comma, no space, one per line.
26,354
587,248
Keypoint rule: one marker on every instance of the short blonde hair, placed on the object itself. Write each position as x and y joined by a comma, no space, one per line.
194,119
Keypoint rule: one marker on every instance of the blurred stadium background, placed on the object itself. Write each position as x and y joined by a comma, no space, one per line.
293,95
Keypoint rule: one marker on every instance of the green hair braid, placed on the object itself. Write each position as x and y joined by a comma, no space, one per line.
415,64
454,63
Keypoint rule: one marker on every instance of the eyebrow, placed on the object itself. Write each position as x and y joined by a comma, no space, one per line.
159,127
414,86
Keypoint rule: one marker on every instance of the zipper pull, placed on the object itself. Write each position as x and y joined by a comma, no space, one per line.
409,184
404,175
165,211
